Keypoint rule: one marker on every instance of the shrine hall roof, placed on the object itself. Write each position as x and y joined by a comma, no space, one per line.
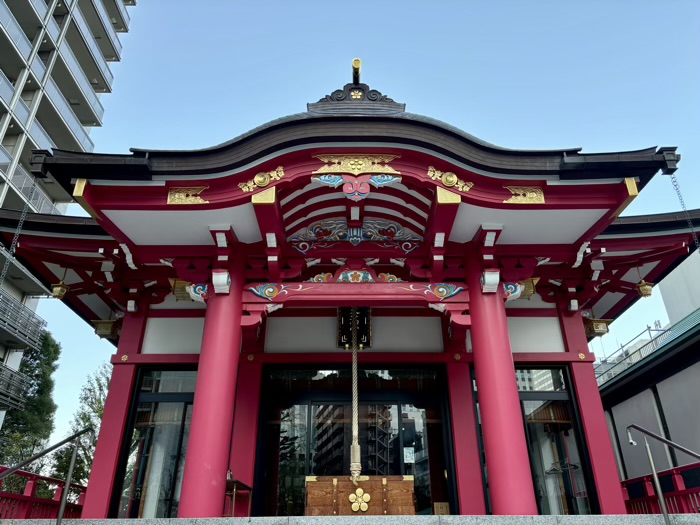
341,119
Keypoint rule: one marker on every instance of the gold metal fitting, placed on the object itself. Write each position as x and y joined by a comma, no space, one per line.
644,288
356,65
59,290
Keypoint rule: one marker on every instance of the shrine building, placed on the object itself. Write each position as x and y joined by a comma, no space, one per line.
237,281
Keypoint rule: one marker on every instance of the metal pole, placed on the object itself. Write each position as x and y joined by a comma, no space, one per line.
66,487
27,461
657,485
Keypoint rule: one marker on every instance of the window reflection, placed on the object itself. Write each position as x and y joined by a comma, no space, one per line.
154,470
557,474
308,431
156,456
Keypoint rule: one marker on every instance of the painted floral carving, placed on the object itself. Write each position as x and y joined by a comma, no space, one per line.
325,234
198,292
512,291
357,188
440,290
271,290
355,276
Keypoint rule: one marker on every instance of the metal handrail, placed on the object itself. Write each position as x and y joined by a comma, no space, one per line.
668,443
71,466
660,341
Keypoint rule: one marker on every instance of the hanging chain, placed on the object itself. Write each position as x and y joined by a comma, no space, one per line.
15,239
676,187
355,455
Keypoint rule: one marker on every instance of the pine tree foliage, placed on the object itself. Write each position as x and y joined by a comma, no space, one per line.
88,414
26,432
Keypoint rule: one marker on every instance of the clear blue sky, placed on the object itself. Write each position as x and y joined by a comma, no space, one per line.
602,75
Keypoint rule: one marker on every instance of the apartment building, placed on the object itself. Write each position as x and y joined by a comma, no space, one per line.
54,67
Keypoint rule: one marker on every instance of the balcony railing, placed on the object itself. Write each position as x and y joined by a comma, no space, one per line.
107,24
620,361
81,79
28,505
40,7
7,90
54,30
5,160
13,388
14,30
22,112
63,108
680,486
123,12
25,185
19,322
89,39
40,137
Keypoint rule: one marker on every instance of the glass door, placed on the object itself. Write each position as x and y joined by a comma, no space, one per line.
310,433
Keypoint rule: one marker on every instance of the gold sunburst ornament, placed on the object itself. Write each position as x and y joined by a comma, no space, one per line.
262,180
449,179
359,500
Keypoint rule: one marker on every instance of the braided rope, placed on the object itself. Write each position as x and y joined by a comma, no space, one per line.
355,461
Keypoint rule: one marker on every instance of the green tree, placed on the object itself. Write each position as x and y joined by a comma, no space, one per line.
26,432
88,414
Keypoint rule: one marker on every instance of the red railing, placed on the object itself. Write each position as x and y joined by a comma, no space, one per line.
28,505
679,499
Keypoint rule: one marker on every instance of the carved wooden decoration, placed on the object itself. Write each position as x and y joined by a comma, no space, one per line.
372,496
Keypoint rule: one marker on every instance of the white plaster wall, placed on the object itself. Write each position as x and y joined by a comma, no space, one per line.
535,334
318,334
640,409
680,399
182,335
680,290
300,334
407,334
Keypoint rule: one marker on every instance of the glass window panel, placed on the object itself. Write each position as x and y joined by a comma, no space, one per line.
415,454
314,380
153,474
168,381
560,486
287,461
540,380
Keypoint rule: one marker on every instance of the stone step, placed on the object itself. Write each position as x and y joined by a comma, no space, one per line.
639,519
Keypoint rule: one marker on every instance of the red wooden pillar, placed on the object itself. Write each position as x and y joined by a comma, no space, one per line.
103,480
595,428
245,428
507,460
470,484
206,463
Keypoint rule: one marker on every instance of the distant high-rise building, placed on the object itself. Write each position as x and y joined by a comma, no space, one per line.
54,66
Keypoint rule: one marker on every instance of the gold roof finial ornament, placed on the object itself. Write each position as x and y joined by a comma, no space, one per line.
356,65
